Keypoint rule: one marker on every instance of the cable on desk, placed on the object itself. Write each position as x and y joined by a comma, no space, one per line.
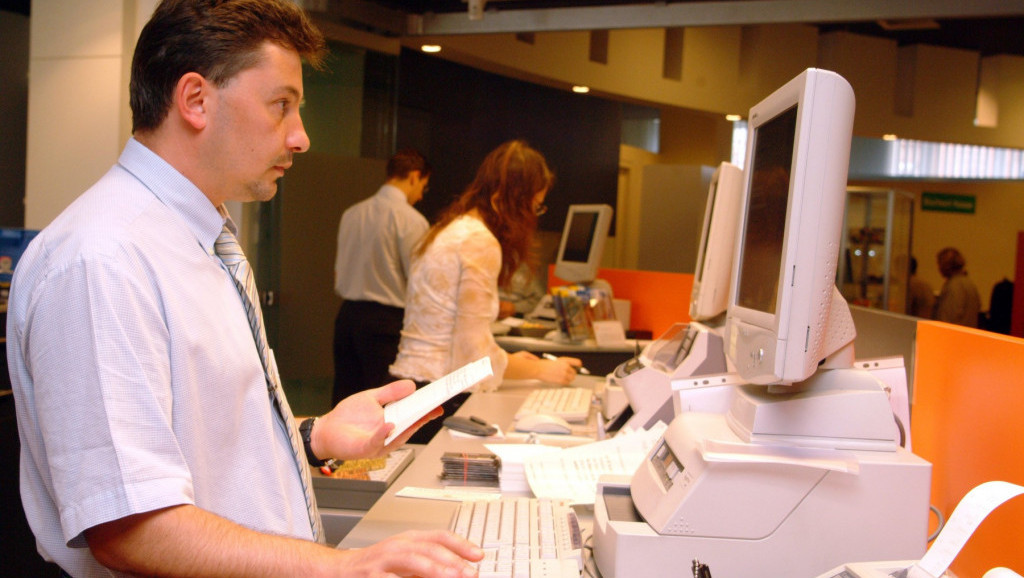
589,565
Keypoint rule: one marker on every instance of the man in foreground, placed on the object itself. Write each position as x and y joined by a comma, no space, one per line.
155,438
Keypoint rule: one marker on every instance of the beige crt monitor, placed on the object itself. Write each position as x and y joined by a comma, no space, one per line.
805,470
582,244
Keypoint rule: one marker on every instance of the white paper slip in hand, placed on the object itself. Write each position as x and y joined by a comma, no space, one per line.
408,410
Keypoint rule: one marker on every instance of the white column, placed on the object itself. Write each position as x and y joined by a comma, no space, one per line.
78,115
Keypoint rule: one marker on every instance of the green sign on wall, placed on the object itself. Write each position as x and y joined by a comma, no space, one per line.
947,202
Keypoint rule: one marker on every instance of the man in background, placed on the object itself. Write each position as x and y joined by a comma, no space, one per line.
958,301
376,239
921,302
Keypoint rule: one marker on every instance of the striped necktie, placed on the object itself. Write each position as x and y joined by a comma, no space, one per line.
230,253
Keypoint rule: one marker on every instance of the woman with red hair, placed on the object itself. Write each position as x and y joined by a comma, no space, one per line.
476,246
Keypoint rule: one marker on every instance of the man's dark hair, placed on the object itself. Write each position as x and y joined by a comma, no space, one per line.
215,38
405,161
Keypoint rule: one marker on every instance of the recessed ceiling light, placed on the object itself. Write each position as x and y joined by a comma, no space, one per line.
733,117
580,89
888,137
431,48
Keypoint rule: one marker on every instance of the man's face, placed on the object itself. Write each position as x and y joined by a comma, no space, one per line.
255,127
419,188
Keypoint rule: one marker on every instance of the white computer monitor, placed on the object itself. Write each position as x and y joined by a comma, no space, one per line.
709,297
582,244
785,315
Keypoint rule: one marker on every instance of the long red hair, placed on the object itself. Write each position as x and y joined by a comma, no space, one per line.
502,193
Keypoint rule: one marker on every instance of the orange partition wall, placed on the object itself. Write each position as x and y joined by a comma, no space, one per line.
658,299
968,421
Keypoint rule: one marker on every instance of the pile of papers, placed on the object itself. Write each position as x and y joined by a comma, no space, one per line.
572,473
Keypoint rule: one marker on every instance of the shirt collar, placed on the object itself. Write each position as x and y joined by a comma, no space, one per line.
175,191
393,193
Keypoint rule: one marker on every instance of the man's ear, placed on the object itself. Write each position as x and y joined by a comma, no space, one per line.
191,99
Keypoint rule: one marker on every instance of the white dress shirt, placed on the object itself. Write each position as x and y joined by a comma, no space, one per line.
136,380
376,239
452,299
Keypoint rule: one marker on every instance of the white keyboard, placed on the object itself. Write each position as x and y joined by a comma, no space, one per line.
523,537
569,403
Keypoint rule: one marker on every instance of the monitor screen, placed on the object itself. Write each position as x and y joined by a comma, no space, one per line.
709,296
758,286
580,236
784,317
582,244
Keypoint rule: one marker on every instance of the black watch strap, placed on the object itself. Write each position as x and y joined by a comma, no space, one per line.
306,431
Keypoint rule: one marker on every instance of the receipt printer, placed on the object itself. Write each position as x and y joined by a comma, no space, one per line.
753,510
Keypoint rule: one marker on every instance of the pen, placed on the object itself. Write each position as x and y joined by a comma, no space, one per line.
580,369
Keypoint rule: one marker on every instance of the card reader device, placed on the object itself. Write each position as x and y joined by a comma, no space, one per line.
654,380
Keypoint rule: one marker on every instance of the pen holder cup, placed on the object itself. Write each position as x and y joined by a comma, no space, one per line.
578,308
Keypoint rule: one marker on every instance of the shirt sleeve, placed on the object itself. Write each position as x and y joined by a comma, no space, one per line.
410,230
477,306
97,349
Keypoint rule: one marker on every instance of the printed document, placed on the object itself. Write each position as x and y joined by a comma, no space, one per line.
408,410
572,473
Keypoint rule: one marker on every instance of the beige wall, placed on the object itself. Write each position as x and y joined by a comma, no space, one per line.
80,54
728,69
919,92
987,239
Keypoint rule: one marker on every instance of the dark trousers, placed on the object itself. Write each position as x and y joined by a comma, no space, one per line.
366,336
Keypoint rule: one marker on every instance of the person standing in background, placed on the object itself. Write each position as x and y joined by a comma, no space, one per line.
376,238
921,296
958,301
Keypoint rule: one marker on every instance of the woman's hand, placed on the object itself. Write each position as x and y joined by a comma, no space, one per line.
525,365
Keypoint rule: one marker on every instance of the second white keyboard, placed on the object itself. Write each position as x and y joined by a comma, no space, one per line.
569,403
523,537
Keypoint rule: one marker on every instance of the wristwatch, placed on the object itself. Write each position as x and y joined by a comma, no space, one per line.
306,431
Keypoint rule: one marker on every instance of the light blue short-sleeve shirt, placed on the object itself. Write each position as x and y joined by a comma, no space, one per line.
136,380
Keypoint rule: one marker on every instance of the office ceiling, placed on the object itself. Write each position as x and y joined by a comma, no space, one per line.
986,26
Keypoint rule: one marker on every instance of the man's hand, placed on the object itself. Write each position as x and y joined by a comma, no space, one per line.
355,428
187,541
416,553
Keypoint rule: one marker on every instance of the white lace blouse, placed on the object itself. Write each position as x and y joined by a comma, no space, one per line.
451,300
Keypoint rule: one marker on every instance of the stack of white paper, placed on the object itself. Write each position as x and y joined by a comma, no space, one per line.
572,473
513,458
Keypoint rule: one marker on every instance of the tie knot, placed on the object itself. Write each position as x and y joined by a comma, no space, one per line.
227,248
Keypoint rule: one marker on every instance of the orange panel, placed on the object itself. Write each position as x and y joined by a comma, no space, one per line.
658,299
968,421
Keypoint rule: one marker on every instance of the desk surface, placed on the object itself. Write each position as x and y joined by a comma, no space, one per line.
391,514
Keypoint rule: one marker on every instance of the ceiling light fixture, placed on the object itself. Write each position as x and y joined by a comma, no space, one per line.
733,117
580,89
431,48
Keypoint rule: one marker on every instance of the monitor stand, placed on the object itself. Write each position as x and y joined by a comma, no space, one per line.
843,409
